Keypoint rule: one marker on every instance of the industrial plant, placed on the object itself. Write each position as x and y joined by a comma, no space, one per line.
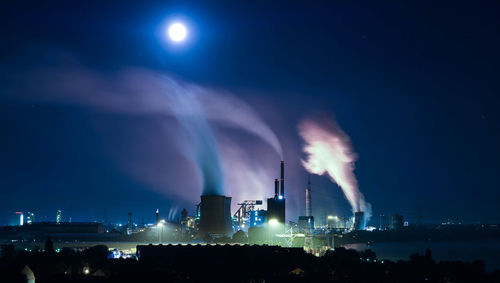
212,221
216,220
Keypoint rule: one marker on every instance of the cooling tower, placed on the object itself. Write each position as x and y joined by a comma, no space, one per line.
359,220
215,215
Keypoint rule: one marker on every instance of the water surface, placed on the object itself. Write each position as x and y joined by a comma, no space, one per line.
488,251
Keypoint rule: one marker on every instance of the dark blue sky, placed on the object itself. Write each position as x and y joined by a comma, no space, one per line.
414,84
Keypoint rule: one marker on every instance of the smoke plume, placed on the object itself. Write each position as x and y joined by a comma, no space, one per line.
329,151
141,92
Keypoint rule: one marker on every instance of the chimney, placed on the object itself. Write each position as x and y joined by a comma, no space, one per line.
276,188
308,197
282,178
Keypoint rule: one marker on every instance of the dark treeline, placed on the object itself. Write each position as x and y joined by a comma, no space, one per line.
225,263
421,233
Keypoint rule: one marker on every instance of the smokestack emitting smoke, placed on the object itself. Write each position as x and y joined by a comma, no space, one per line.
200,145
329,150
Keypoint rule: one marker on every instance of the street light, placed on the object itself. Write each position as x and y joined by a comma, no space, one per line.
272,229
159,226
273,222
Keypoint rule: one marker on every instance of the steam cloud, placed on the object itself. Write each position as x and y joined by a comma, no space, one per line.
143,92
329,150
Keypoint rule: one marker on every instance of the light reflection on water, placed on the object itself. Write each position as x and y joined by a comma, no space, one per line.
488,251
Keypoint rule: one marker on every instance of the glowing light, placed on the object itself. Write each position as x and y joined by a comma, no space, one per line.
280,197
273,222
177,32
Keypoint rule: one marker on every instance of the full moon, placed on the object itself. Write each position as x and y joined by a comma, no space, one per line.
177,32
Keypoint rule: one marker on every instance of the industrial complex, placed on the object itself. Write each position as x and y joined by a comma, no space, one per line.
213,221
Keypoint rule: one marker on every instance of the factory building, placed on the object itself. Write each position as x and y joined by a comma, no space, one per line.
19,218
248,215
306,224
383,222
257,217
359,221
397,222
333,222
276,204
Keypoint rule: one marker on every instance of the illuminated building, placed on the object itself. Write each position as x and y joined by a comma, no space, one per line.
30,217
58,216
332,221
19,218
257,217
276,205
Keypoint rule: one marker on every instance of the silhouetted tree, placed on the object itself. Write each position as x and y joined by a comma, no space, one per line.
49,246
368,255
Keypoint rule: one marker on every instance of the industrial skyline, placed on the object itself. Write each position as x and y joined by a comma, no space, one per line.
259,141
91,131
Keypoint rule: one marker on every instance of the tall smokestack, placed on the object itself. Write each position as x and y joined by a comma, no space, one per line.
276,188
157,215
308,197
282,178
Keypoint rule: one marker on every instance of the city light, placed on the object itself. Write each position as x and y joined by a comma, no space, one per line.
213,112
273,222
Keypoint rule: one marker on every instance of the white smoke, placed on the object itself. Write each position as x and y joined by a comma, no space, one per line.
329,150
137,91
140,91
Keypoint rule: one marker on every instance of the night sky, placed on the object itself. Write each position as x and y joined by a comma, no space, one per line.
415,85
